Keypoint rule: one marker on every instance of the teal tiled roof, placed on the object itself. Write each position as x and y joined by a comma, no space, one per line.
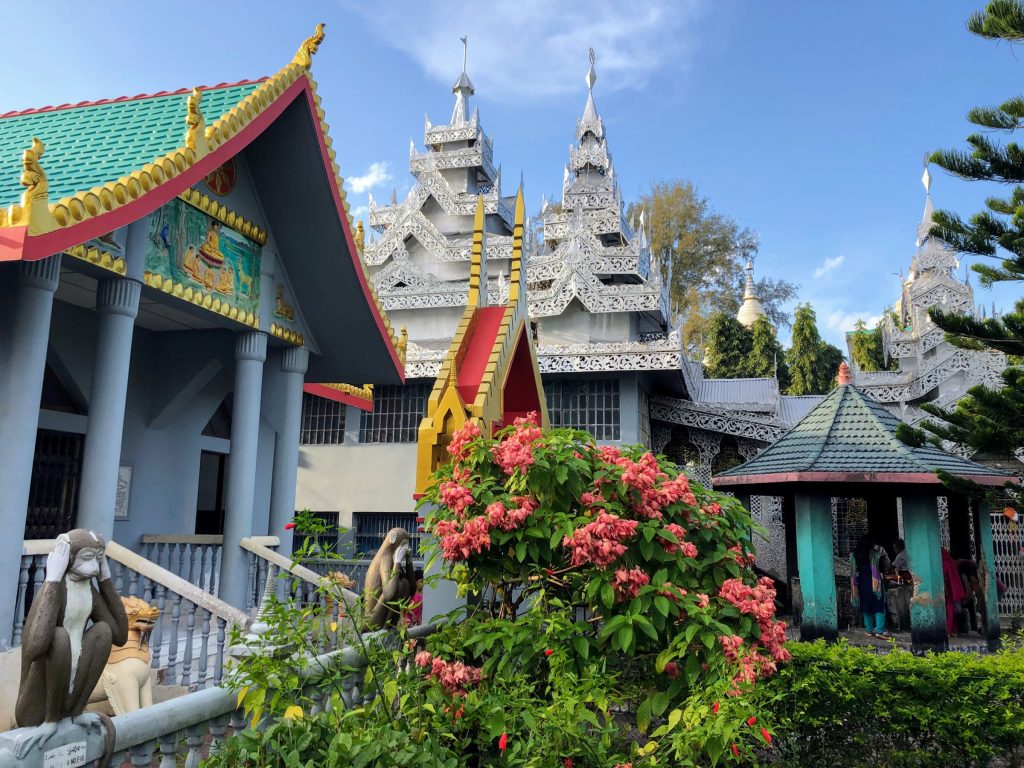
88,145
848,433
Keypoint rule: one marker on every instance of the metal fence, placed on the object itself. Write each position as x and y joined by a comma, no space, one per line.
1007,541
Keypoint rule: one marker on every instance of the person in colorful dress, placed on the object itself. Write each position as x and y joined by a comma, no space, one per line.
867,563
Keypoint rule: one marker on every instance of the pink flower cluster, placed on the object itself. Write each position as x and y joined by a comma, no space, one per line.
766,652
454,676
600,542
686,548
458,448
458,542
511,519
627,583
741,558
758,601
516,450
455,496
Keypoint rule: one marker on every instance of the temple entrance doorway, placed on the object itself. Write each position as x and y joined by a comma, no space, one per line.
210,499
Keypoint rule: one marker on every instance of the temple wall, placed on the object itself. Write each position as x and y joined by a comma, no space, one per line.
426,324
577,326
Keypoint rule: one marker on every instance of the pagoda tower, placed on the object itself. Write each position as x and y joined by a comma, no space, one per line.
929,368
751,307
419,249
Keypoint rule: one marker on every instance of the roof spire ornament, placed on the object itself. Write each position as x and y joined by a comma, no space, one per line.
844,376
195,131
590,110
304,56
751,308
463,88
34,211
926,218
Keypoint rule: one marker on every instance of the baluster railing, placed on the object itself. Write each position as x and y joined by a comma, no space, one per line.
204,648
19,606
190,629
156,637
172,645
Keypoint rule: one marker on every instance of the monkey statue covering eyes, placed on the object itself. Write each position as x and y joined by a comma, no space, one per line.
390,581
70,628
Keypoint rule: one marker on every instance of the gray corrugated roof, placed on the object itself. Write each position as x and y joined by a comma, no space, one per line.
792,408
764,392
848,433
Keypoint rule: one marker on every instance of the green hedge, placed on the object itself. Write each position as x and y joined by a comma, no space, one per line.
837,705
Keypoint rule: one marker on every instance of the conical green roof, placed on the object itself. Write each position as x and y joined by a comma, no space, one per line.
850,438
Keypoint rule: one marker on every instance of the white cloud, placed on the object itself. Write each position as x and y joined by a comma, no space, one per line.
536,48
359,211
841,321
377,174
829,265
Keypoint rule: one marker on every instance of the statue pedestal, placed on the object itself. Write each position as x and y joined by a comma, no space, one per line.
68,746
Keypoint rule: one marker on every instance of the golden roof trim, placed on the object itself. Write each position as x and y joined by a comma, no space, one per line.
288,335
201,299
223,214
98,257
364,392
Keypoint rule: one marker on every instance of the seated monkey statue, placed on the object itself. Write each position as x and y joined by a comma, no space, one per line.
390,581
75,619
127,680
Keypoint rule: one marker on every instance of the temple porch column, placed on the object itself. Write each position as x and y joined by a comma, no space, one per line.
987,571
813,516
250,354
117,304
21,385
924,559
286,448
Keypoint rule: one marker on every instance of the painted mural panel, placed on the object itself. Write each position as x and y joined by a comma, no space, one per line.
197,251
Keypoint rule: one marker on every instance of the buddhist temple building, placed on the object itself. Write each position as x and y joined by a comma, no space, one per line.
174,268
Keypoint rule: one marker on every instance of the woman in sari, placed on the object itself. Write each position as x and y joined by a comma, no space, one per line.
866,585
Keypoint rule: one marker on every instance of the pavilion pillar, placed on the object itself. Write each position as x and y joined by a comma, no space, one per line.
21,383
286,449
250,354
813,514
924,558
117,304
987,571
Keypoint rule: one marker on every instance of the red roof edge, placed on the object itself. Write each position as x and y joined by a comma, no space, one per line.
330,393
910,478
118,99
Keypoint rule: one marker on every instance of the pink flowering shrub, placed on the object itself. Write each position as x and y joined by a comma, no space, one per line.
605,552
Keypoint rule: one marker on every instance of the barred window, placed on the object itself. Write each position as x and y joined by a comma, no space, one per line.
321,543
592,405
397,411
370,528
323,421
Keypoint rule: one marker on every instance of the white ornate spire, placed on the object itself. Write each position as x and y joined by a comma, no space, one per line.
590,121
751,308
926,219
462,89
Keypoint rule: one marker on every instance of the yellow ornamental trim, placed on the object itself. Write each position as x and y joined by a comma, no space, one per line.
201,299
286,334
364,392
99,258
223,214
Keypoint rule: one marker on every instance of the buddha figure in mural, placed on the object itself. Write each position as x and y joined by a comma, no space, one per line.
209,251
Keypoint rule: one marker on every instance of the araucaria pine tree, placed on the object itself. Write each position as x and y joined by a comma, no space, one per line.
812,361
989,420
767,358
866,348
728,348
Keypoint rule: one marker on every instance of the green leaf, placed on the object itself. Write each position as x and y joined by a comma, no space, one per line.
625,637
643,716
674,717
661,604
607,595
582,646
521,551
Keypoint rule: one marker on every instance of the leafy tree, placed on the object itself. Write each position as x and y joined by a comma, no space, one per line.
866,348
728,348
708,251
767,357
812,361
989,420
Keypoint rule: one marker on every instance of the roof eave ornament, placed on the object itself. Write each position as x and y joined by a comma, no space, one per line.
195,130
844,376
304,56
34,211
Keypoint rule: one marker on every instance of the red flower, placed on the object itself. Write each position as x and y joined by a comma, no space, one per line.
672,669
289,526
735,751
550,572
503,742
715,708
567,762
751,721
767,736
548,652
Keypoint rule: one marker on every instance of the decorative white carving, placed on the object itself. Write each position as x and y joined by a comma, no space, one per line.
762,428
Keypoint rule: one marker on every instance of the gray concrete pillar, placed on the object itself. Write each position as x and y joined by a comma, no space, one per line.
117,304
21,368
286,447
250,354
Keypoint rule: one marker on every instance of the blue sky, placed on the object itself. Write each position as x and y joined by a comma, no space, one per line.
806,121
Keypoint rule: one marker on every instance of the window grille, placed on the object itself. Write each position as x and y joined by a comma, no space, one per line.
370,528
397,411
320,543
849,524
591,405
323,421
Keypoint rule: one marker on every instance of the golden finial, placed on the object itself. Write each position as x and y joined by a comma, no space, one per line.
403,343
195,131
304,56
359,236
34,211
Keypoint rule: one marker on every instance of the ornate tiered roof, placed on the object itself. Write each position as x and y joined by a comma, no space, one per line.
927,362
593,257
456,168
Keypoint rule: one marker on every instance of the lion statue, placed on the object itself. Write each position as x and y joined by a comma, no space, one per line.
126,682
